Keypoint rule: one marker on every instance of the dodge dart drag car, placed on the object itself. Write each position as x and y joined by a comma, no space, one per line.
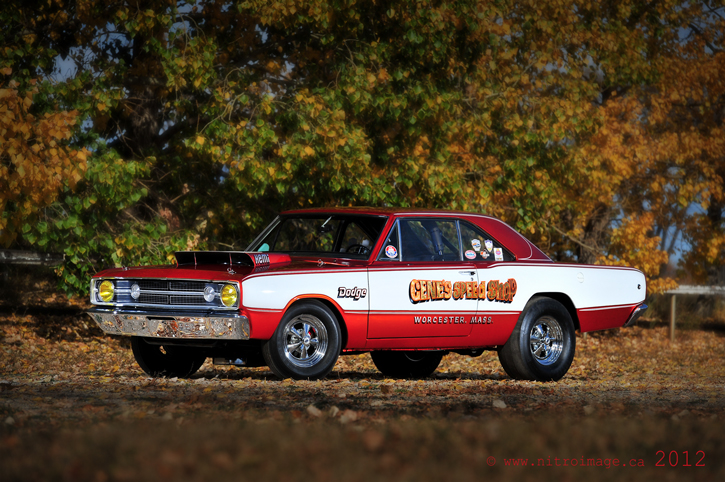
406,286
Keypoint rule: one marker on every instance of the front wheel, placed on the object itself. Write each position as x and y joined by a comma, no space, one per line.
306,344
407,364
166,361
542,344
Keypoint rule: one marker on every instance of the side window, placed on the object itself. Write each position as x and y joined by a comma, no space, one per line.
391,246
354,240
480,246
429,240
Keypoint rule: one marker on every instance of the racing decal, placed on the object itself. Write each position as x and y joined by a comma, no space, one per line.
391,251
434,290
451,320
484,254
498,253
260,259
498,291
354,293
476,243
470,254
489,245
428,290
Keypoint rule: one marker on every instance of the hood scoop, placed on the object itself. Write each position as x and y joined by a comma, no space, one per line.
231,258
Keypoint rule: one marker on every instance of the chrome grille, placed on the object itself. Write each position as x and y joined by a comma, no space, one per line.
150,284
186,286
164,293
186,300
153,298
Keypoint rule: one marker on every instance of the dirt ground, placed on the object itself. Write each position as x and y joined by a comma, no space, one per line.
74,406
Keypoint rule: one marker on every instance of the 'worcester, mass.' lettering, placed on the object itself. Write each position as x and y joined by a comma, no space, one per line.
451,320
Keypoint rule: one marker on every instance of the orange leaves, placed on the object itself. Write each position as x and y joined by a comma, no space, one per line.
35,163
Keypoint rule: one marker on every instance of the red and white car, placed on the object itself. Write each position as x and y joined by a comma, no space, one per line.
408,286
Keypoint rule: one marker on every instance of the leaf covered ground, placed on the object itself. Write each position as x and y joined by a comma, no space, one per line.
75,406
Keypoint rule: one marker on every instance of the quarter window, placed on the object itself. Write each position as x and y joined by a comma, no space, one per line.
480,246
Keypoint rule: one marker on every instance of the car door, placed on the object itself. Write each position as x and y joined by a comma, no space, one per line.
420,285
498,285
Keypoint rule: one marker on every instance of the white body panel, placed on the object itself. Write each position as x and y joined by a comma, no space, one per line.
388,288
586,286
277,291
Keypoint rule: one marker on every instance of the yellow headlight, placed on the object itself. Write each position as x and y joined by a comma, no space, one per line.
105,291
229,295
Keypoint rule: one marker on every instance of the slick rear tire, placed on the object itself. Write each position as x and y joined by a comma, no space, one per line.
306,344
542,344
166,361
407,364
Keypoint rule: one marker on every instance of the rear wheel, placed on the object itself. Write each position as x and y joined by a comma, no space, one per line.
166,361
407,364
542,344
306,344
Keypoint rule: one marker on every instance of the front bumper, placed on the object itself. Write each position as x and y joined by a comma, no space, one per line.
154,324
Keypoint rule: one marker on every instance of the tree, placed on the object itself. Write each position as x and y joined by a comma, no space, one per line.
35,160
206,118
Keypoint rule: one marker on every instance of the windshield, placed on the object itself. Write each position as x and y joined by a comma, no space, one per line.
338,235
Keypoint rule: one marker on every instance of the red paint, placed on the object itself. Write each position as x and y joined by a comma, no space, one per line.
604,318
437,323
495,333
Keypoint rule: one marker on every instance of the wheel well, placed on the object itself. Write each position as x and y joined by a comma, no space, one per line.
335,311
567,303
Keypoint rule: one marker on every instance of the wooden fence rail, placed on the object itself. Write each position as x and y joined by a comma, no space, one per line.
689,290
14,256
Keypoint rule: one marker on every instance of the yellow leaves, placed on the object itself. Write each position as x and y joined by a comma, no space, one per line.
309,151
383,75
510,53
39,166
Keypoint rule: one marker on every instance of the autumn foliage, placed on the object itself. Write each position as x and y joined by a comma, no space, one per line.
35,160
595,128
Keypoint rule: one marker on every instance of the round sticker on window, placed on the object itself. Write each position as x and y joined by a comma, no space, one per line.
390,251
470,254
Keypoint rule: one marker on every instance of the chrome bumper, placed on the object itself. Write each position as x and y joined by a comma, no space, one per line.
172,325
635,315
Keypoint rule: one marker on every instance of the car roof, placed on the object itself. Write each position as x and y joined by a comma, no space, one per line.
508,236
386,211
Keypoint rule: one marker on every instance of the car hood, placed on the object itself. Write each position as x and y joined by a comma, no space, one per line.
230,265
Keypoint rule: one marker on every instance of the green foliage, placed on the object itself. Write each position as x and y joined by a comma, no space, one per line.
206,118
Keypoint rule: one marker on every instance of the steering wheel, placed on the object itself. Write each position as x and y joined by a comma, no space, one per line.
357,249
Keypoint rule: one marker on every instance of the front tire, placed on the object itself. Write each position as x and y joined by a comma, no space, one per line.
166,361
407,364
306,344
542,344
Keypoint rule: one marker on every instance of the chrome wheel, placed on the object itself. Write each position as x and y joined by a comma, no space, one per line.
305,341
546,340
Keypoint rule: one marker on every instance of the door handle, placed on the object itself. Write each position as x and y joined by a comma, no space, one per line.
468,273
